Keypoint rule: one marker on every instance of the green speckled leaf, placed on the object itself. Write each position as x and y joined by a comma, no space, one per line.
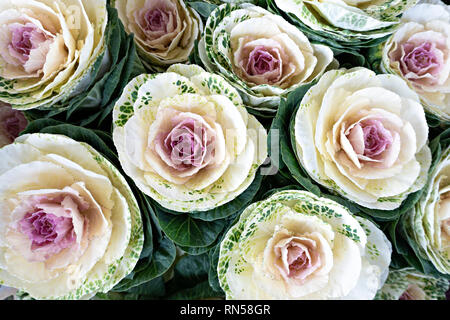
343,24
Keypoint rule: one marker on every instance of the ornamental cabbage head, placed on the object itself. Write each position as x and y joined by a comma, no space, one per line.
186,139
50,50
363,136
70,226
428,223
165,31
419,52
260,54
295,245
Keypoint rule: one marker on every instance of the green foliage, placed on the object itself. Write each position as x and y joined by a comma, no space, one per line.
281,126
190,280
203,8
200,229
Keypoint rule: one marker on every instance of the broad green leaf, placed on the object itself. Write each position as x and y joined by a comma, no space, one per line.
75,132
195,251
189,232
190,270
201,290
203,8
162,259
281,126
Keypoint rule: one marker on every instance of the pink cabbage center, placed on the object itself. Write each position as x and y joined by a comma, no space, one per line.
24,38
261,61
47,230
156,20
376,138
420,59
299,258
187,144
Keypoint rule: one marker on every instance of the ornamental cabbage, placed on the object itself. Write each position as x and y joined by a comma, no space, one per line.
295,245
428,223
363,136
186,139
419,52
165,30
50,50
260,54
70,226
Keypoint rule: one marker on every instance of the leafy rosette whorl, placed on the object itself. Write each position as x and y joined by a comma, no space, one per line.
409,284
347,22
428,223
295,245
165,30
70,226
363,136
50,50
419,52
186,139
260,54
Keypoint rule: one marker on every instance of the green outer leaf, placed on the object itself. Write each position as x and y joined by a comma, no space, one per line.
191,269
190,279
150,290
285,114
153,288
195,231
204,9
147,250
39,124
223,211
162,259
189,232
196,251
350,46
75,132
213,277
194,57
405,244
200,291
